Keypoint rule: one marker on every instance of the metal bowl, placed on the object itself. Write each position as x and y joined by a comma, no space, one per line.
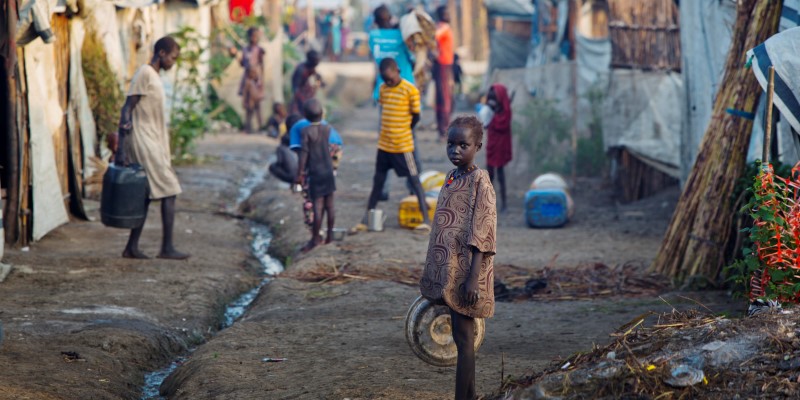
339,234
429,333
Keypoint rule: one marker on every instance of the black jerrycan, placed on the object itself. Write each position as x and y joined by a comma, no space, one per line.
123,203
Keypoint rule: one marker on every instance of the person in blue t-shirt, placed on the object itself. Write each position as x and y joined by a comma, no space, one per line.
387,42
334,140
295,138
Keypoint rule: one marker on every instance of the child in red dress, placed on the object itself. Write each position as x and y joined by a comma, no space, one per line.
498,141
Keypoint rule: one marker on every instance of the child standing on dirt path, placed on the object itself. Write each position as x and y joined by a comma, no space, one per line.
459,267
316,163
400,101
252,96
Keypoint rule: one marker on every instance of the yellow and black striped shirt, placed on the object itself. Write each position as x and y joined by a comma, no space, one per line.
398,102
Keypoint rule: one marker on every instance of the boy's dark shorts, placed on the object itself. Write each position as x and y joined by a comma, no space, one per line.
403,164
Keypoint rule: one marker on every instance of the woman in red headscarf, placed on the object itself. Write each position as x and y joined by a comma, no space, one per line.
498,141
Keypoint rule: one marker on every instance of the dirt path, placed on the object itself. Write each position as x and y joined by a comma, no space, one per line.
73,293
345,340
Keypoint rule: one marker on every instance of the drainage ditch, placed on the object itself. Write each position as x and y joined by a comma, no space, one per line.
262,237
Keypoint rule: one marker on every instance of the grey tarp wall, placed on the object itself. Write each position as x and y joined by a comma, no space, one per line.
642,112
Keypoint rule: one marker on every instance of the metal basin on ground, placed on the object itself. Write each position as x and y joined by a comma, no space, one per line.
430,335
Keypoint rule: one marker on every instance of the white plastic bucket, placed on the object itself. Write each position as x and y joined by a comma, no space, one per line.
549,180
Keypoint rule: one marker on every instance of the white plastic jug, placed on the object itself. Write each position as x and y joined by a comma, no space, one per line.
375,220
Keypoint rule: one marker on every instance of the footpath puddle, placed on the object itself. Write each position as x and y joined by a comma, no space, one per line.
262,237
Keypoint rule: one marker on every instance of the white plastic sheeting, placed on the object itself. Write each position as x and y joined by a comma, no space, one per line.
79,109
45,117
781,51
101,16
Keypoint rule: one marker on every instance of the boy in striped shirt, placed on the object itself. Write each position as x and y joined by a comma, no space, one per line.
401,108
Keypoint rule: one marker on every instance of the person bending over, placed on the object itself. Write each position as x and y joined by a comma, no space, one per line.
285,166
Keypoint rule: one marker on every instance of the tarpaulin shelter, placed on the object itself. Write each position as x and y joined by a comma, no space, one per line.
48,132
509,32
706,35
781,51
42,163
628,53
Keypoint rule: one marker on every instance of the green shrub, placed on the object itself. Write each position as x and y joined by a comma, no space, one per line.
753,206
105,95
545,137
188,119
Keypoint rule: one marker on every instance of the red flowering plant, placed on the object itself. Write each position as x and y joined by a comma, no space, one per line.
771,265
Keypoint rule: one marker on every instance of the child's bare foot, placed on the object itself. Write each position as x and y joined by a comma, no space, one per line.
134,254
173,255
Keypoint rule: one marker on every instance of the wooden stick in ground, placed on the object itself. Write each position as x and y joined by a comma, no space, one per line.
768,128
698,234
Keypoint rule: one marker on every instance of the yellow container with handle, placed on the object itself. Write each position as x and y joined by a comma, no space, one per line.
409,216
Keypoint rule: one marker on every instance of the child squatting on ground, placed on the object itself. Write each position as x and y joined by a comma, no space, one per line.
316,163
285,165
459,267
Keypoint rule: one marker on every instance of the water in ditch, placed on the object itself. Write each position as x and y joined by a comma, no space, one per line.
262,237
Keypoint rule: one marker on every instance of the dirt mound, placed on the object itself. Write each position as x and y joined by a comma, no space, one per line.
678,355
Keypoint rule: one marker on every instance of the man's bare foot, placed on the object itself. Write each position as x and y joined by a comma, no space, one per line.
173,255
135,254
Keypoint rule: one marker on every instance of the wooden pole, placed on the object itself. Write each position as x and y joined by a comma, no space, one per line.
572,25
273,9
768,128
11,209
467,19
311,30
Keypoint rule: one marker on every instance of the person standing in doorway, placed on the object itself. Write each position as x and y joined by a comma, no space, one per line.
443,70
144,139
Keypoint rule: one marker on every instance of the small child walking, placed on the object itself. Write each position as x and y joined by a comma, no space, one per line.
459,267
316,164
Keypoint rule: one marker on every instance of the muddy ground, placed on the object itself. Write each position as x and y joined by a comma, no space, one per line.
344,339
72,292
